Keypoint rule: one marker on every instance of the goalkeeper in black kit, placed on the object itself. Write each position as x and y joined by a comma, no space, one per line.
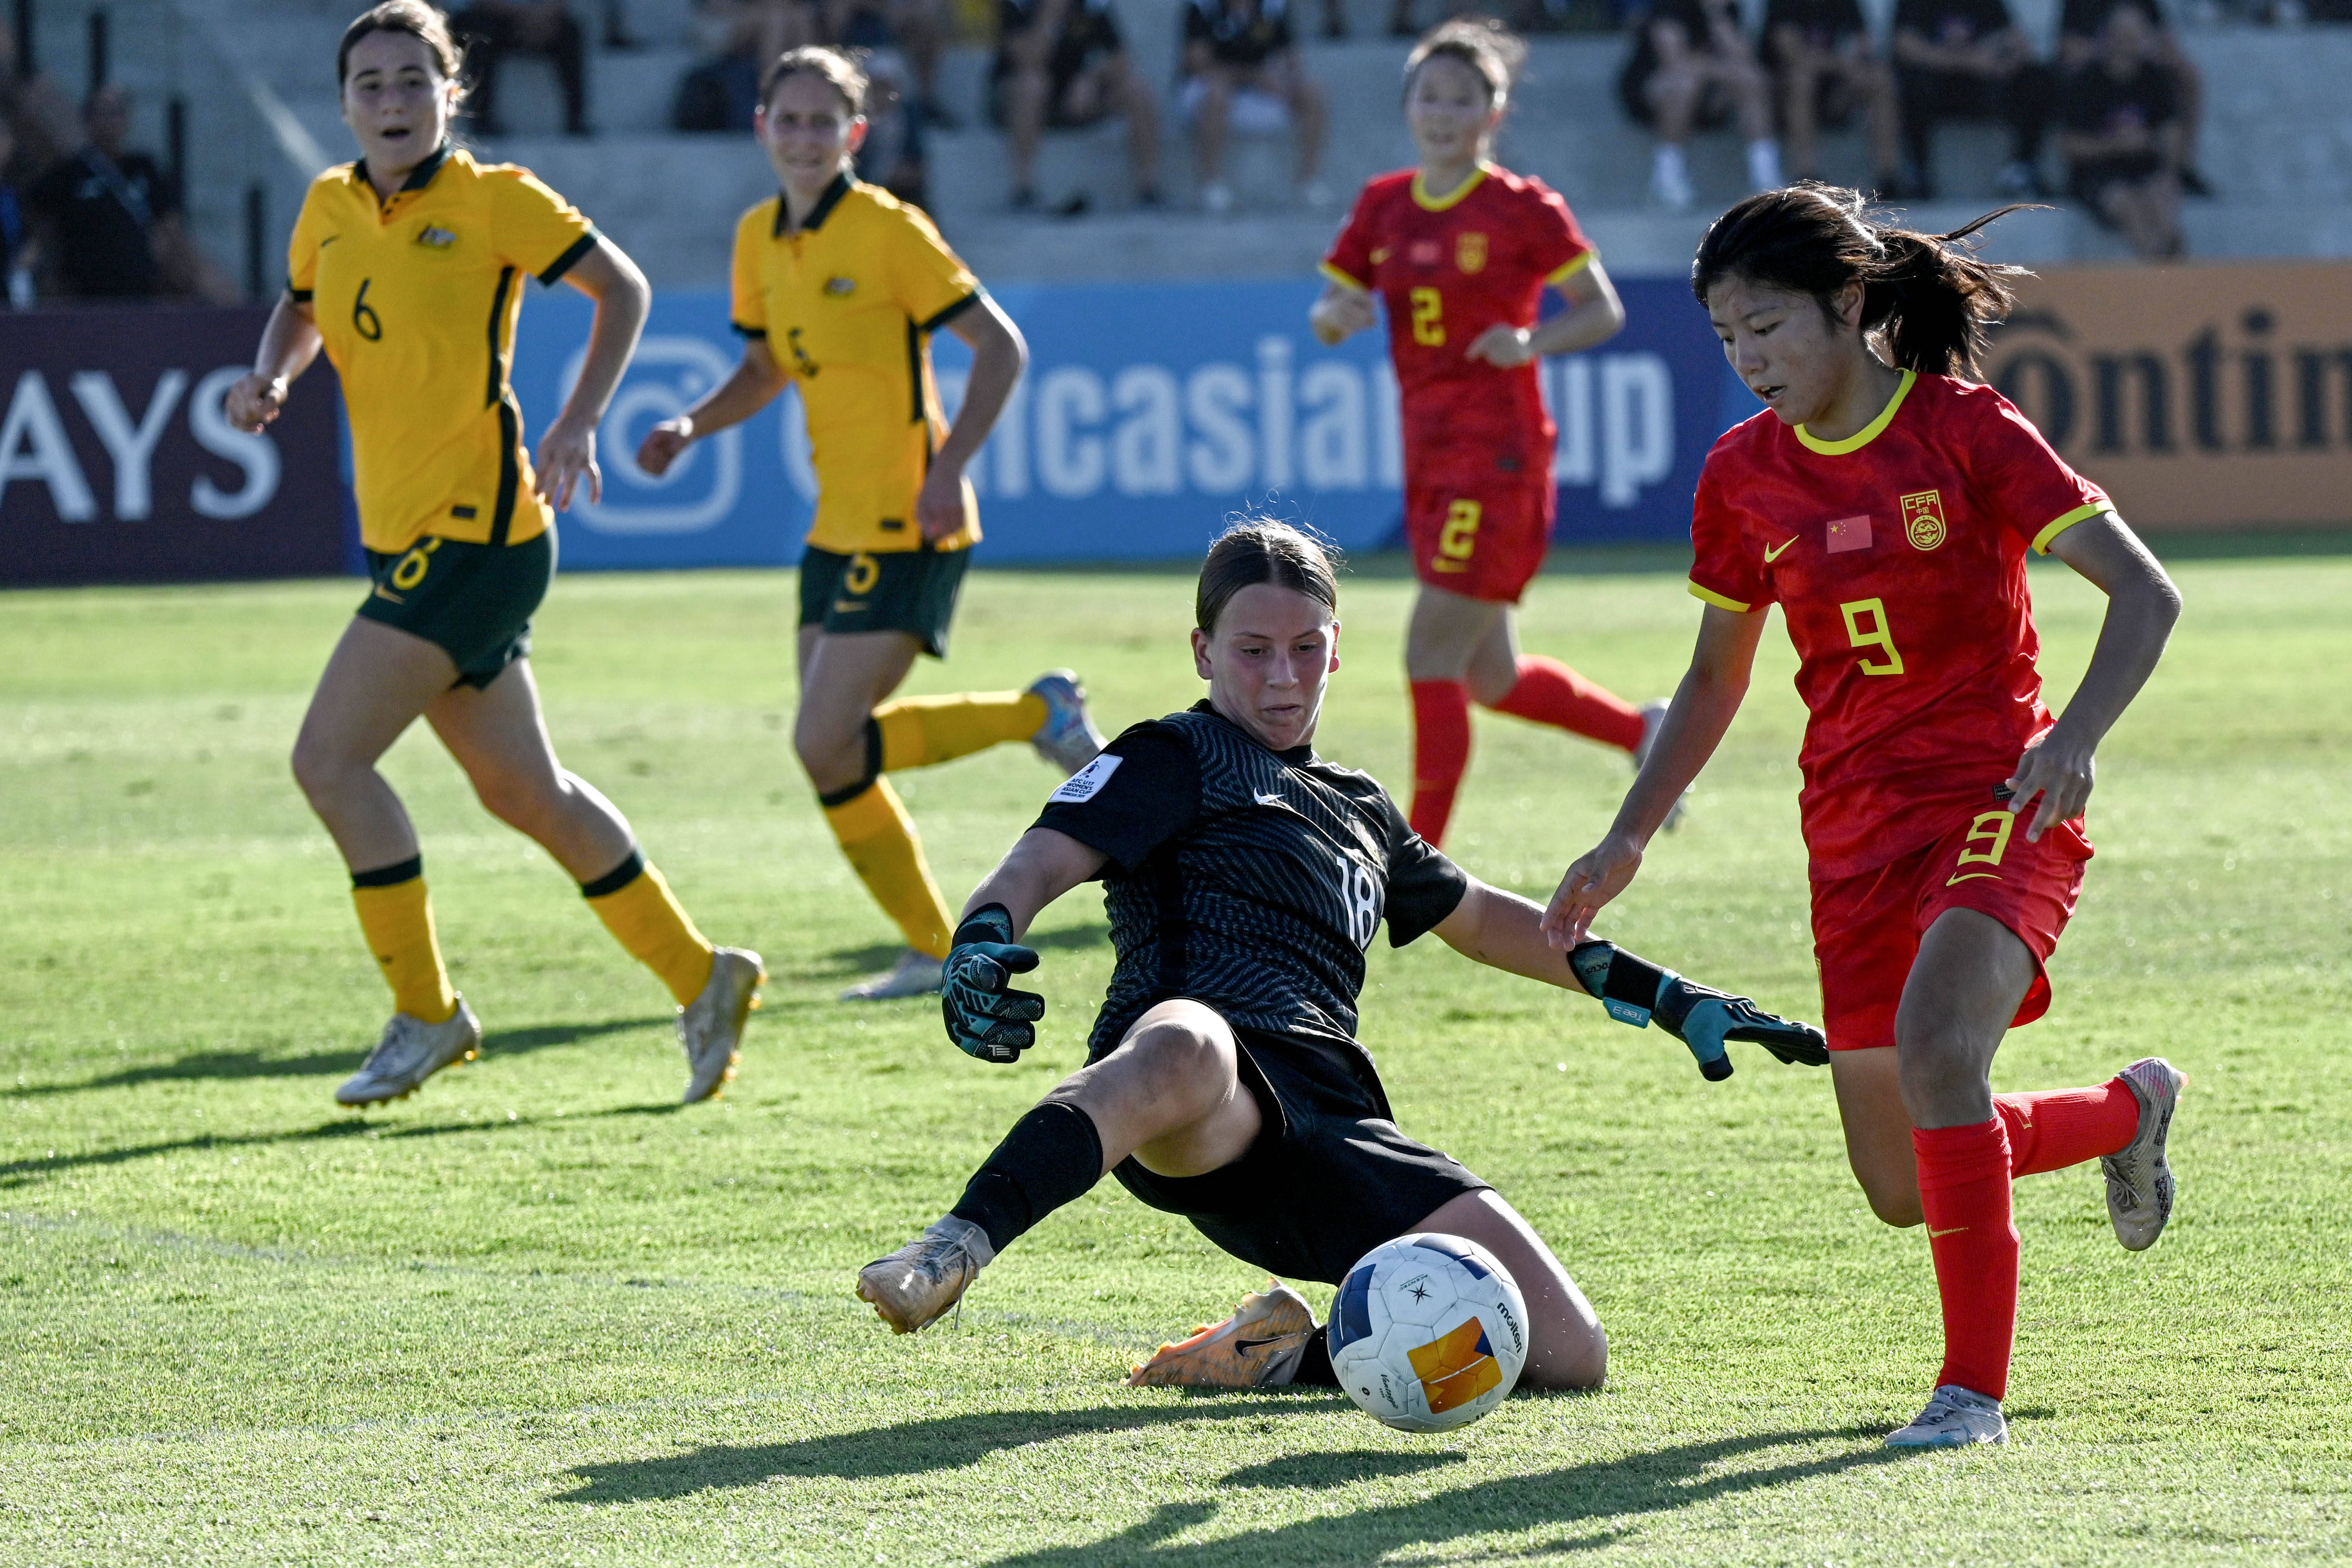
1244,878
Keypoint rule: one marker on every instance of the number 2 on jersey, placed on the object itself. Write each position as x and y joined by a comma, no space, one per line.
1428,318
1867,627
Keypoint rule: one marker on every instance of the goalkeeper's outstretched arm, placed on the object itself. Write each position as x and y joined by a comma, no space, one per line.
1041,866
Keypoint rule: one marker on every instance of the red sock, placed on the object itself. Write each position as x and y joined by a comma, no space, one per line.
2061,1127
1964,1192
1548,692
1441,752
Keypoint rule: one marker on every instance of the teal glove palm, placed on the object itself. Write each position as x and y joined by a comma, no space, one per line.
985,1017
1638,991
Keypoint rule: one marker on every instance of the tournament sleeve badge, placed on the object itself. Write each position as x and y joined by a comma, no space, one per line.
1088,782
1923,519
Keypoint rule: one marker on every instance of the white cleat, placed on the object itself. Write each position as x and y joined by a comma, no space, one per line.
411,1051
2139,1181
1956,1417
710,1027
1068,739
914,975
915,1286
1653,718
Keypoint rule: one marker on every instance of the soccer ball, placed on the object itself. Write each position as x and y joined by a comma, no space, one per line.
1429,1332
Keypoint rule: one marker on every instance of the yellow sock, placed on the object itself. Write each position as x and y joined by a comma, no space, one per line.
397,918
878,837
637,906
919,731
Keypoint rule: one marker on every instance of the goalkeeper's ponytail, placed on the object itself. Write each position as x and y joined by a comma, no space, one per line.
1926,297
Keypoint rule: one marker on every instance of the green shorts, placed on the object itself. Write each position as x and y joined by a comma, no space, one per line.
910,591
474,601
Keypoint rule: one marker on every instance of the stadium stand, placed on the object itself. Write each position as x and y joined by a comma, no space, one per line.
260,112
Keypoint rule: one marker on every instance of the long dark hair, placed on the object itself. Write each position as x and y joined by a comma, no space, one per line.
414,17
1927,296
1257,550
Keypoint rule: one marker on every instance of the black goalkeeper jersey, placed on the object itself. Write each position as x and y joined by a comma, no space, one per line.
1248,880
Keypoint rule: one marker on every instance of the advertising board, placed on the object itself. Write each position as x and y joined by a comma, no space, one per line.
1149,413
117,464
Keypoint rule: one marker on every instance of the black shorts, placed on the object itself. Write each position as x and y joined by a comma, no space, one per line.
1328,1179
910,591
474,601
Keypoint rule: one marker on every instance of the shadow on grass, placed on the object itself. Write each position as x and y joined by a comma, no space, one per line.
22,1172
913,1447
218,1066
1575,1499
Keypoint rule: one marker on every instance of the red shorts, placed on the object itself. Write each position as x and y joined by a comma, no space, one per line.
1867,929
1483,538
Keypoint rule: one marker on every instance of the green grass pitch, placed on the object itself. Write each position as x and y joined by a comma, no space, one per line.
541,1314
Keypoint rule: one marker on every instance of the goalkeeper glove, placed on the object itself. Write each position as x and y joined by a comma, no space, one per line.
1636,990
983,1017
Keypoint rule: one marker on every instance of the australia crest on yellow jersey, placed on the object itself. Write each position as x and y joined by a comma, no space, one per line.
1923,519
1470,251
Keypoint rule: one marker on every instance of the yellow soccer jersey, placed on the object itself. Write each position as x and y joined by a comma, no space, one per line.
417,298
847,306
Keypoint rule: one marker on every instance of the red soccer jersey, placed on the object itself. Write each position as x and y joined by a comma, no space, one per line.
1898,556
1448,270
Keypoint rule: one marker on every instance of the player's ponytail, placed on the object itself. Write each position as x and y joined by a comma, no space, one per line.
1926,296
1257,550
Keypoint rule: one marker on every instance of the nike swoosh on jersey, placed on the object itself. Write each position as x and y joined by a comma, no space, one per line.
1935,1235
1773,552
1264,799
1972,876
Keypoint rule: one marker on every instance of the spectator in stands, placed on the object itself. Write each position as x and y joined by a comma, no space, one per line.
13,234
1062,63
1825,68
1242,71
1691,69
2080,23
918,29
492,29
2123,136
737,38
1966,59
891,155
110,218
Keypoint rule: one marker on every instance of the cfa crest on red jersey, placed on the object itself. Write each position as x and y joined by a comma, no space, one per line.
1470,252
1923,519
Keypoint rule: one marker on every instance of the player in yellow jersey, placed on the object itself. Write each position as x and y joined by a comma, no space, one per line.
838,287
407,267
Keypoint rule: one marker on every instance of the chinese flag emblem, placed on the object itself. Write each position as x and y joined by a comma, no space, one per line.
1923,519
1470,252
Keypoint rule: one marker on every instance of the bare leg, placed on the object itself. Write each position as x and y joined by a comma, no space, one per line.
844,677
1567,1347
1024,123
1135,100
1451,634
1211,123
1309,111
376,683
499,737
1171,1094
1965,986
1801,79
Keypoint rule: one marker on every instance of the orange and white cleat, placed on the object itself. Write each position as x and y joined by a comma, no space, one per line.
1259,1346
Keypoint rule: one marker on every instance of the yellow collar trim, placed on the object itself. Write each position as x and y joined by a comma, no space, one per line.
1868,433
1427,203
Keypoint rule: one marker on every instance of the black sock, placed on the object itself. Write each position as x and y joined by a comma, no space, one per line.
1050,1158
1315,1363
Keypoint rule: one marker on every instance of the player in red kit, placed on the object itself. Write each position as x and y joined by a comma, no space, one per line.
1887,507
1461,252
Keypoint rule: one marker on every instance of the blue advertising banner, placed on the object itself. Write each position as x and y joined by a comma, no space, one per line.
1149,413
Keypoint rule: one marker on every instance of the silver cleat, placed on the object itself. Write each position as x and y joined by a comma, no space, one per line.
2139,1181
1956,1417
915,1286
411,1051
710,1027
1068,739
914,975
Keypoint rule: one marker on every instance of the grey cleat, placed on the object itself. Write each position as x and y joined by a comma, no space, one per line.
1653,718
915,1286
710,1027
2139,1181
1068,739
411,1051
1956,1417
914,975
